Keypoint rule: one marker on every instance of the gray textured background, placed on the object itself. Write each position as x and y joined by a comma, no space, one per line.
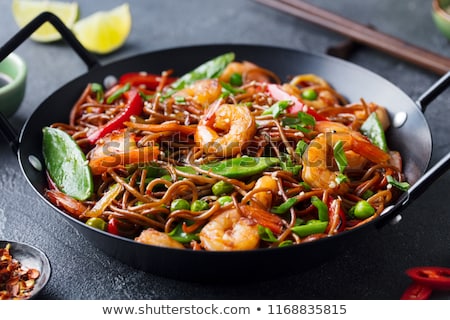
373,269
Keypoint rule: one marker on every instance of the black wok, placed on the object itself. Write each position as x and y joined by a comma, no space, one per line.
412,138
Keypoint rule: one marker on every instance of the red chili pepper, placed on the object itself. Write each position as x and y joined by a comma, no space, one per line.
433,277
134,107
279,94
150,81
112,226
416,291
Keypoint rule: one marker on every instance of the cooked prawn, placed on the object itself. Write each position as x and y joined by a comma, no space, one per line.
229,231
119,148
265,198
74,207
204,91
249,72
227,131
157,238
317,168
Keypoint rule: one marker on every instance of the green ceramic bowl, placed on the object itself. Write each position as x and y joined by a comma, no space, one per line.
13,74
441,16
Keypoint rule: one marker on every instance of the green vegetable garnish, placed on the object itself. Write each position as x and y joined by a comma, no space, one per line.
403,186
209,70
373,129
241,167
277,108
303,122
67,164
339,156
284,207
322,208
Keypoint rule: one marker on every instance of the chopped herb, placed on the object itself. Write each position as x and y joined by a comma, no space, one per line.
284,207
339,156
236,79
98,90
302,122
301,146
277,108
179,235
229,89
266,234
322,208
404,186
118,93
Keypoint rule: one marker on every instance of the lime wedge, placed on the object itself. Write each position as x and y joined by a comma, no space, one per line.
104,31
26,10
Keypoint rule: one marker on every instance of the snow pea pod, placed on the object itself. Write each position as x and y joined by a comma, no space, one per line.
67,164
241,167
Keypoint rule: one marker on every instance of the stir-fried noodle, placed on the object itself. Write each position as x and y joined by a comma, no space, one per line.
238,161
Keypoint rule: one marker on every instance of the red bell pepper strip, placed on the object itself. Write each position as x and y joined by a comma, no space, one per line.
134,107
434,277
279,94
112,226
416,291
150,81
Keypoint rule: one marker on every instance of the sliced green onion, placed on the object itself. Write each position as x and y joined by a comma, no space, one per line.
179,235
301,146
322,208
339,156
228,88
302,122
404,186
118,93
284,207
236,79
277,108
98,90
266,234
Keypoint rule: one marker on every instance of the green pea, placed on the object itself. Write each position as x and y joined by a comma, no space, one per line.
363,210
309,94
97,223
224,200
222,187
236,79
179,204
199,205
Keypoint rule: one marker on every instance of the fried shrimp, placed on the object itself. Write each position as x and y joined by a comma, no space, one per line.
229,231
227,131
204,92
265,198
318,165
157,238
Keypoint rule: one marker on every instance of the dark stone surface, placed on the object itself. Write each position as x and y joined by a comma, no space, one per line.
372,269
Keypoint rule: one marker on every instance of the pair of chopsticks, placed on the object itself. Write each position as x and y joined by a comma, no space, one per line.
363,34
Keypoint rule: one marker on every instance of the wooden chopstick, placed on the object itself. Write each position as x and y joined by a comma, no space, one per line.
363,34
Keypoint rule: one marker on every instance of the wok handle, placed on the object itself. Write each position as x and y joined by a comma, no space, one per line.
435,90
6,129
89,59
432,174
